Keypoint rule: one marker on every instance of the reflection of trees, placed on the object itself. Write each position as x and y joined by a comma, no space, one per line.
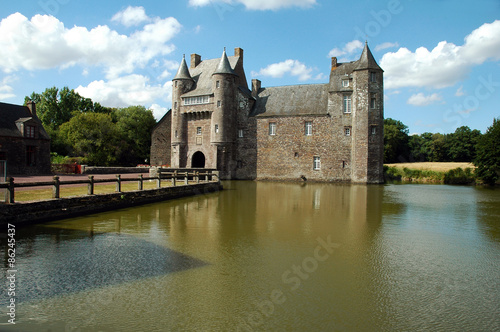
488,212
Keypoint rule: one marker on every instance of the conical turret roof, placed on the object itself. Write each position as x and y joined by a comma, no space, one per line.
224,66
367,61
183,72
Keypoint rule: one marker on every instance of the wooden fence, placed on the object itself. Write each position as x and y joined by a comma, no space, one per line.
173,176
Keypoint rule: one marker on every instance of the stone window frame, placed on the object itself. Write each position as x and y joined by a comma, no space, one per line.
197,100
373,130
217,84
373,77
272,128
216,128
347,103
198,130
316,163
308,128
240,133
347,131
346,83
219,103
373,101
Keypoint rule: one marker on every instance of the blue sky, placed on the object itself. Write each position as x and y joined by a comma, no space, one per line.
441,57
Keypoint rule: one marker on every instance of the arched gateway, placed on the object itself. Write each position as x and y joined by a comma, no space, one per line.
198,160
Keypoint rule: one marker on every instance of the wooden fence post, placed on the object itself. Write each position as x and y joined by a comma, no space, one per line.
10,190
118,183
90,190
141,186
56,187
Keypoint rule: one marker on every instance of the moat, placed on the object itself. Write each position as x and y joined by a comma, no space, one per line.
267,256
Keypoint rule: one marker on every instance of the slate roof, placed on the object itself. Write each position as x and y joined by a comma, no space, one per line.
202,75
10,113
366,60
292,100
224,67
183,72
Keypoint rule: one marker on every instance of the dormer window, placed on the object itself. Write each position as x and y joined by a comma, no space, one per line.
29,131
345,83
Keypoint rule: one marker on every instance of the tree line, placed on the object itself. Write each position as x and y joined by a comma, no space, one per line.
464,145
91,133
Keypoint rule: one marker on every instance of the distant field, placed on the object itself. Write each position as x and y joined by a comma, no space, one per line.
433,166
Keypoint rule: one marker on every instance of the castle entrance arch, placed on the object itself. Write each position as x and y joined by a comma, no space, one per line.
198,160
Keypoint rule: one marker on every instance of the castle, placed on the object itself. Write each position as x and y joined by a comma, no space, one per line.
318,132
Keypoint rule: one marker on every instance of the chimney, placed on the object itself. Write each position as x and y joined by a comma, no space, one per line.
256,84
238,52
32,107
334,63
195,60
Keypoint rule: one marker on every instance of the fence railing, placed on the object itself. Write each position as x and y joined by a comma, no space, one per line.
174,176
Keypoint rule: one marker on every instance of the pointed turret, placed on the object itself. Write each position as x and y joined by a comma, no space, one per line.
183,72
367,61
224,66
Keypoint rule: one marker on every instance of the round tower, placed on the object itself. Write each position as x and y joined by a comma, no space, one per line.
224,114
181,83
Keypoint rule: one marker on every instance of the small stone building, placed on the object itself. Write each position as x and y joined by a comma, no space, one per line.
24,143
320,132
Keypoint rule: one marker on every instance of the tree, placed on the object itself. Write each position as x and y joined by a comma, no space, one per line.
439,148
395,141
93,136
488,154
134,124
462,144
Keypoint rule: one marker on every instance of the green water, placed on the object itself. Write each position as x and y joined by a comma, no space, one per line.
264,256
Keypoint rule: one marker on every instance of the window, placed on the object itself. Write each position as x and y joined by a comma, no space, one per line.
316,163
175,83
373,102
373,77
309,128
218,103
240,133
198,131
175,105
217,84
347,104
347,131
176,134
272,128
374,130
29,131
30,156
345,83
196,100
216,128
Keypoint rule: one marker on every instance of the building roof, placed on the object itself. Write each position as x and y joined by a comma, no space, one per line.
10,114
183,72
366,60
292,100
202,75
224,67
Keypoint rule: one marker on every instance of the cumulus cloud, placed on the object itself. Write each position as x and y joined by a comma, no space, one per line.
6,91
446,64
290,67
31,44
420,99
349,49
257,4
131,16
125,91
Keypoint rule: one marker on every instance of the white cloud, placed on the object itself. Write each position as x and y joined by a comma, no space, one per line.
30,44
290,67
125,91
420,99
6,91
446,64
158,111
257,4
349,49
383,46
131,16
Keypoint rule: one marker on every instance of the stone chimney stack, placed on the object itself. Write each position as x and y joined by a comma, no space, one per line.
256,85
334,63
195,60
238,52
32,107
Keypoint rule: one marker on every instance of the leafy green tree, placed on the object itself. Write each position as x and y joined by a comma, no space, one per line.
395,141
439,148
488,154
462,144
93,136
134,124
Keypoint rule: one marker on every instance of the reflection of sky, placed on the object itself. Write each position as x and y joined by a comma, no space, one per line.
79,264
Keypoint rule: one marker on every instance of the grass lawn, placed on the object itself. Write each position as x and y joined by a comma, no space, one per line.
433,166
